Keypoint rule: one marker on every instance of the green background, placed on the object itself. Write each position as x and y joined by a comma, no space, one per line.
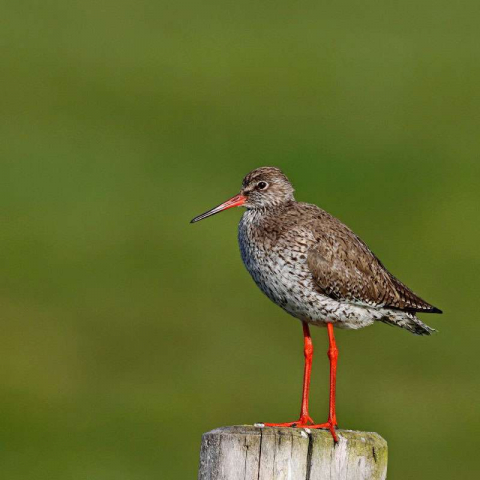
126,332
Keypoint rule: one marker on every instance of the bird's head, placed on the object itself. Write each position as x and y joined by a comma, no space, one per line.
266,187
262,188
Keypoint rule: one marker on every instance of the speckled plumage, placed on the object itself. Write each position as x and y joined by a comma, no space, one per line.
313,266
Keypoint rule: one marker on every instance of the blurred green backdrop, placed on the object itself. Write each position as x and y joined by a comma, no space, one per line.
126,331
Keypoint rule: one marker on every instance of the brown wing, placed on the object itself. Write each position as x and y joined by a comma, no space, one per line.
344,268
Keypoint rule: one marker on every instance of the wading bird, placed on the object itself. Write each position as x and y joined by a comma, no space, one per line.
316,269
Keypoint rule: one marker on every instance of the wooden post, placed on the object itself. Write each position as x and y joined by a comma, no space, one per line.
266,453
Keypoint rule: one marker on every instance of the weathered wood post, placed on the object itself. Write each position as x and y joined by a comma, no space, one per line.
266,453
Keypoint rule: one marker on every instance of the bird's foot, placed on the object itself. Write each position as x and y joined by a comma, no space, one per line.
328,425
305,421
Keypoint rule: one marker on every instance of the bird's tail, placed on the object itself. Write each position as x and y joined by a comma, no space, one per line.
408,321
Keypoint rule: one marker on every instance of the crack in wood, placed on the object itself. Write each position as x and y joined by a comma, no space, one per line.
309,456
260,453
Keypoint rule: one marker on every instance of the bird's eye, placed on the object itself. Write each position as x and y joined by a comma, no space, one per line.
262,185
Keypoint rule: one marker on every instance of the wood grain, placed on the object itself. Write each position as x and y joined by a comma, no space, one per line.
265,453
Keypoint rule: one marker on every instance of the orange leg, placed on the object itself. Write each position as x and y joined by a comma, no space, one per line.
331,423
305,419
308,353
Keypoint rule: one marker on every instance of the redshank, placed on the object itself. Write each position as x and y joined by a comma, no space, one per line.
315,268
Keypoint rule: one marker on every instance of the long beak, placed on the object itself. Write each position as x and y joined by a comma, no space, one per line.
236,201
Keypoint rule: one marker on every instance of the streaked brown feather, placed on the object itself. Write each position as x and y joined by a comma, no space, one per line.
344,268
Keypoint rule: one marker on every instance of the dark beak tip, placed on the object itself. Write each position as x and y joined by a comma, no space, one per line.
235,201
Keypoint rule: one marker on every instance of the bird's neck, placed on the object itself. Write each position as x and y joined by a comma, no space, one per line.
261,214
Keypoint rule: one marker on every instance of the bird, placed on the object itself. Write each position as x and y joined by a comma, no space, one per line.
319,271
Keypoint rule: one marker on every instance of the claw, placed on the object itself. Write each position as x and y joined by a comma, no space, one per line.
328,426
302,422
286,424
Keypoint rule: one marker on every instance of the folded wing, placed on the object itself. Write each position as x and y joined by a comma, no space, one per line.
344,268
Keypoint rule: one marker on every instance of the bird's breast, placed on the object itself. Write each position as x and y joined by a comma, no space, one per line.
277,265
